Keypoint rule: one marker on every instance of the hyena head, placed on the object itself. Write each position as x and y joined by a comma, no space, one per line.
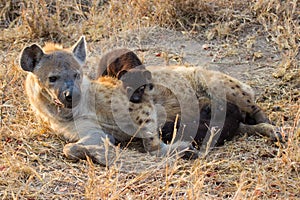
135,81
57,71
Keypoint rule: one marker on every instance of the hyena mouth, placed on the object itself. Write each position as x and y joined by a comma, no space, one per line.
60,104
68,105
52,98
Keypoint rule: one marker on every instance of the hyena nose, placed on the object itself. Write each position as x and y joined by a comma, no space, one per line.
68,95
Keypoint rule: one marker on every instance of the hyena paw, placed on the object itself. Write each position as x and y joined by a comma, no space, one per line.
264,129
182,149
187,151
191,154
274,132
278,136
98,153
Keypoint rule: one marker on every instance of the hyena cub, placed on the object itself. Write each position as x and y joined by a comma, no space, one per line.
126,66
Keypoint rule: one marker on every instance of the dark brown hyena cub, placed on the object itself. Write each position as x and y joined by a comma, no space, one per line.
126,66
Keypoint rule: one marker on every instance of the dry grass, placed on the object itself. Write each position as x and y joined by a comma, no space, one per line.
32,165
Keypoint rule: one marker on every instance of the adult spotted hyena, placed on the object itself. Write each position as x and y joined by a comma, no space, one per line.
91,115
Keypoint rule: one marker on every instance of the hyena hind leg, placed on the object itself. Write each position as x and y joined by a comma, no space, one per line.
263,129
232,90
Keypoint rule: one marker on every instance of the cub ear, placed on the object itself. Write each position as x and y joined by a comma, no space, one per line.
30,57
79,50
147,75
121,73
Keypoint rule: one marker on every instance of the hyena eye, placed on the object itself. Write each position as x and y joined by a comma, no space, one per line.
142,88
52,79
77,76
151,86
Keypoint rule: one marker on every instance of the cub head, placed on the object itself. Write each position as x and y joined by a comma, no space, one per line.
135,81
58,71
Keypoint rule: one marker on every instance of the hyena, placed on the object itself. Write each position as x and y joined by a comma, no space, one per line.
126,66
92,115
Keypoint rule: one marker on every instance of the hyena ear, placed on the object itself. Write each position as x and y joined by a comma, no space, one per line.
30,57
79,50
121,73
147,75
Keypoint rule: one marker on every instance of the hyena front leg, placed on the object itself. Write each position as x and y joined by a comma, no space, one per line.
98,146
155,146
148,132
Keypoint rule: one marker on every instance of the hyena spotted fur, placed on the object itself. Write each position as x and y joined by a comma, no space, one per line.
91,115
